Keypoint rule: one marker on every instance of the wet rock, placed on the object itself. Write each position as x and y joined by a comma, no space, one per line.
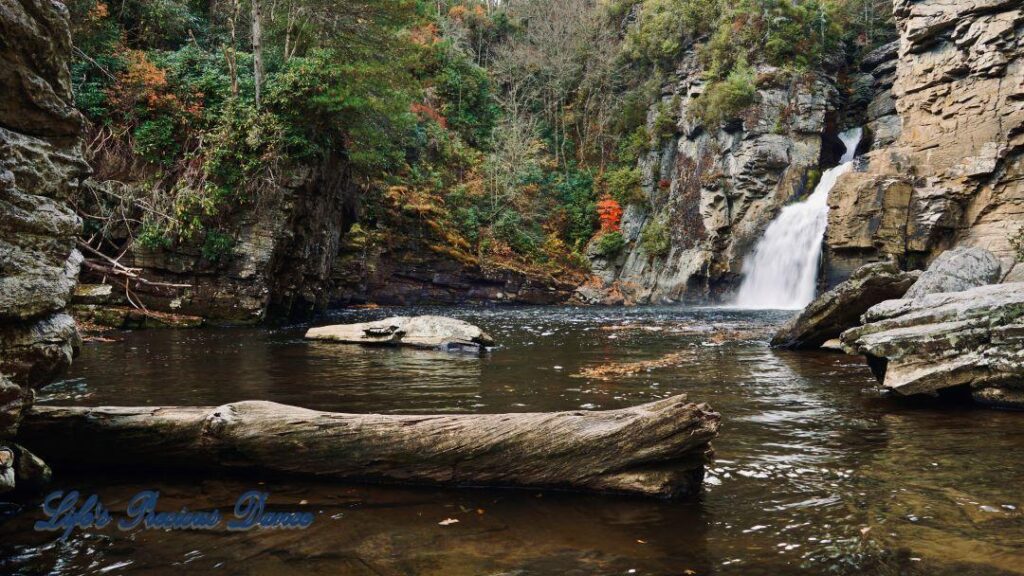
840,308
128,318
37,351
12,400
93,294
436,332
972,339
22,470
957,270
6,470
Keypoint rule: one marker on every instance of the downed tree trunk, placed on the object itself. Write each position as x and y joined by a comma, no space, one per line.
654,449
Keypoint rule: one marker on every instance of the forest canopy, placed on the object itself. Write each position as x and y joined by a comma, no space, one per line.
515,120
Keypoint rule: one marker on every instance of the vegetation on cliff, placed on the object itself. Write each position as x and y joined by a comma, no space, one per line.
513,120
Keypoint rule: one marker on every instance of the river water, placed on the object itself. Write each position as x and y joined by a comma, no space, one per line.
815,472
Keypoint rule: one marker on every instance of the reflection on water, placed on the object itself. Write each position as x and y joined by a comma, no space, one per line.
815,473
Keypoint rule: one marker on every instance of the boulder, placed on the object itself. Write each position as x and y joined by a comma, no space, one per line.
435,332
957,270
973,338
22,470
840,308
6,470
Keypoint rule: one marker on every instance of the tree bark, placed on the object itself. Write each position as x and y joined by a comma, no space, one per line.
231,53
257,50
656,449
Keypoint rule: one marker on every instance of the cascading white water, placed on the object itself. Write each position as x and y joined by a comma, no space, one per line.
782,271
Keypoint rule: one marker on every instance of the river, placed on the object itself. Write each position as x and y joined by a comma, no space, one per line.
815,472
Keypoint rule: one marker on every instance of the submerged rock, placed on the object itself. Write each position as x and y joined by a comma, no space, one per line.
973,338
435,332
840,308
6,470
957,270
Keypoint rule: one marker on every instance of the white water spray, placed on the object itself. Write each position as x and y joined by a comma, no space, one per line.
782,271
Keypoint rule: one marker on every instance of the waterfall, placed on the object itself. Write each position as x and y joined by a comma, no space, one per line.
782,271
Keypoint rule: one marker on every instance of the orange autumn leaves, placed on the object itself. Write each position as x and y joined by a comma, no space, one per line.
609,213
143,84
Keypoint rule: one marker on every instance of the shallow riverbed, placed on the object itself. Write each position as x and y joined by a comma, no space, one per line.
815,472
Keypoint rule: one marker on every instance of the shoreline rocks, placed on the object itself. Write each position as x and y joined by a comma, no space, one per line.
430,332
841,308
944,341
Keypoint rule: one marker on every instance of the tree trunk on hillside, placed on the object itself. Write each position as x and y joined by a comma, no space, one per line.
257,50
231,54
655,449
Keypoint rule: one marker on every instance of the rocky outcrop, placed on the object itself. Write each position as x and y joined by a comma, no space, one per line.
433,332
971,340
271,257
841,308
953,176
714,191
307,245
41,166
411,256
957,270
412,269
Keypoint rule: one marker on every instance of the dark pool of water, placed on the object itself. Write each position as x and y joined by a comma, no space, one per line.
815,472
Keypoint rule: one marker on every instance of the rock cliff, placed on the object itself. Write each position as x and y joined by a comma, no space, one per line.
277,260
716,190
41,166
953,174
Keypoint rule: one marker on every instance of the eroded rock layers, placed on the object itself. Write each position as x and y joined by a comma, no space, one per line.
953,175
41,165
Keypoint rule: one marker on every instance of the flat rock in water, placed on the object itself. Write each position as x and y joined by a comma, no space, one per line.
972,338
434,332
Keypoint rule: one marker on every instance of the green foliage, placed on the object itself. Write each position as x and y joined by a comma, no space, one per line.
634,145
666,118
610,244
666,27
152,236
155,141
244,143
574,192
655,238
624,185
522,236
328,103
725,99
217,245
1017,242
468,106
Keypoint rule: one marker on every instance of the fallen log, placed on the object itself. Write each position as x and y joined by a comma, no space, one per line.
656,449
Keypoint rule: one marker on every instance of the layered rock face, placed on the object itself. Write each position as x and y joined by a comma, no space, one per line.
715,191
41,166
948,340
953,176
280,258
